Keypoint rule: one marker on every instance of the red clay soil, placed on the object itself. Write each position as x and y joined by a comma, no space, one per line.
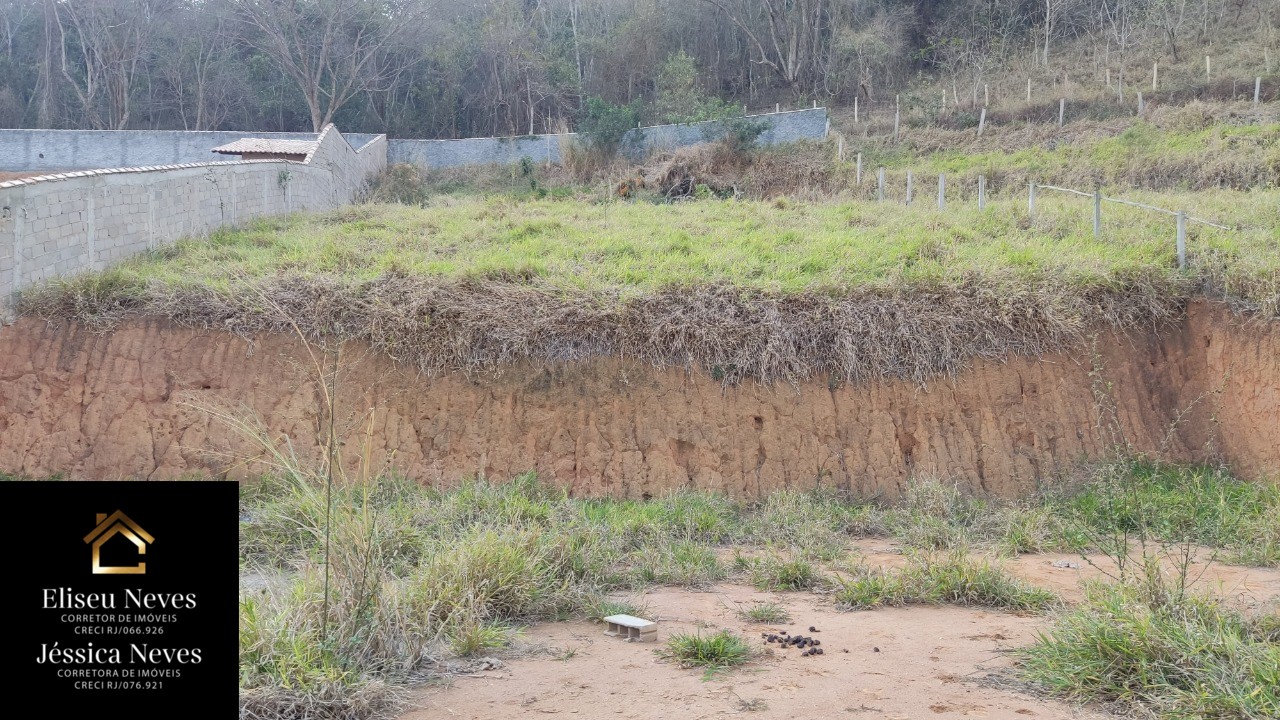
135,403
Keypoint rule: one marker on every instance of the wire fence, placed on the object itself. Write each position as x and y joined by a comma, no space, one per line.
1181,217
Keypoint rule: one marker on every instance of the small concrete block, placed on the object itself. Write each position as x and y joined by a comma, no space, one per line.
632,628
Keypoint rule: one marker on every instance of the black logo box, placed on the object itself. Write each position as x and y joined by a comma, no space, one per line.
56,607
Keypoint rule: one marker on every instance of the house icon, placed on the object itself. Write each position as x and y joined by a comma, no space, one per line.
108,527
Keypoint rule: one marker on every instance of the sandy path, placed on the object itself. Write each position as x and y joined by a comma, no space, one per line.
931,662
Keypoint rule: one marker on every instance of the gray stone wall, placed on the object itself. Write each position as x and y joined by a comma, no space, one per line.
780,128
57,150
66,223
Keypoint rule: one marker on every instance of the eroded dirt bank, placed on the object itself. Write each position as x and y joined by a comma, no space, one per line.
136,402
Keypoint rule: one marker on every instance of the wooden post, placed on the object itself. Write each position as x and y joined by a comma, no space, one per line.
986,95
1141,106
982,120
1097,213
1208,70
880,184
942,191
1031,199
859,168
1257,91
1155,76
982,192
1182,240
909,190
1062,110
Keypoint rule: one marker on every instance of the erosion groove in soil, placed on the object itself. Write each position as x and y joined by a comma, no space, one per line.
134,403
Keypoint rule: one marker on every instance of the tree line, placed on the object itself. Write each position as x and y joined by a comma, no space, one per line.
461,68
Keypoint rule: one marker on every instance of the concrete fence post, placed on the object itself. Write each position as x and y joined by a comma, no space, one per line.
1142,106
855,109
982,121
1155,76
1182,240
897,118
880,184
840,148
982,192
1062,110
909,188
1257,91
1208,70
859,168
777,107
1097,213
1031,199
942,191
1028,89
19,218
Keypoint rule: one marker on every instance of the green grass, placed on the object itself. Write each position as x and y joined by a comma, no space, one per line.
776,247
1192,658
954,580
769,613
713,652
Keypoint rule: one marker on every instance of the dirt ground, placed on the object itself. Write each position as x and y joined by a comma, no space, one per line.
890,664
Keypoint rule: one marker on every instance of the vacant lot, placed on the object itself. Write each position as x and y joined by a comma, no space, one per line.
431,585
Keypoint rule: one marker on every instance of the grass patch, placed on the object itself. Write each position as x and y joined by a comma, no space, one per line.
766,613
775,573
1192,658
713,652
954,580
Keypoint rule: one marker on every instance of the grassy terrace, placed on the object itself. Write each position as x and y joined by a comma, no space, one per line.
774,246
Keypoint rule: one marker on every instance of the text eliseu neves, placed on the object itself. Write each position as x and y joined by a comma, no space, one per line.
68,599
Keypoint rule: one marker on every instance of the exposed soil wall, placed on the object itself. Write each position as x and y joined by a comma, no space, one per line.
133,403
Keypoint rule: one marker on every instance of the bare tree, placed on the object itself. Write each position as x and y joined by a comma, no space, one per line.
789,35
102,44
332,49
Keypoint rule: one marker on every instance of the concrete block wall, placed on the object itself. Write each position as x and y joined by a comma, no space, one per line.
66,223
39,150
780,128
